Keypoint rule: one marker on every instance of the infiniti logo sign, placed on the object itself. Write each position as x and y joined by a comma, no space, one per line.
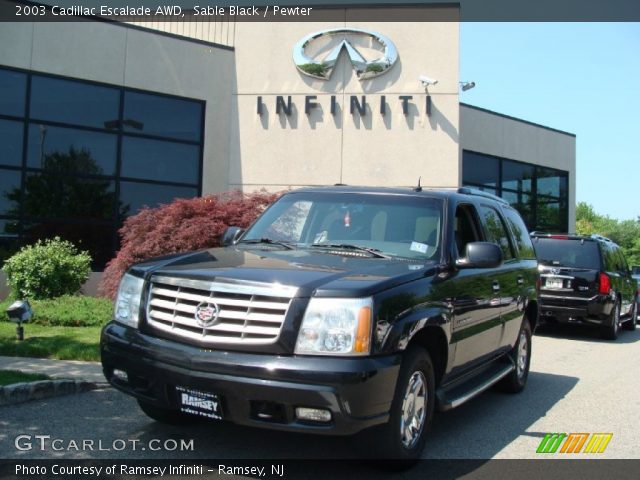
323,68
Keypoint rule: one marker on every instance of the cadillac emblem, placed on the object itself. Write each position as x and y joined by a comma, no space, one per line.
206,314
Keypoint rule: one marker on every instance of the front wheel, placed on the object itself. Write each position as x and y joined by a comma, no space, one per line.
521,357
403,437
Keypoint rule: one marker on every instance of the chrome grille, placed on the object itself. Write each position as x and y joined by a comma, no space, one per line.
246,313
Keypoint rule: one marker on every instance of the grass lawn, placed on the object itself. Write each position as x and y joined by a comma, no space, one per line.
62,343
7,377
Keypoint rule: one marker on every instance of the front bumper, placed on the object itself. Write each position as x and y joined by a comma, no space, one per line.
357,391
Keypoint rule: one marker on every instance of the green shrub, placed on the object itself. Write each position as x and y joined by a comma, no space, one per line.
67,311
47,269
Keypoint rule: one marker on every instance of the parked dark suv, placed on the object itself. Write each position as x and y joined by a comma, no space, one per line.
339,309
585,279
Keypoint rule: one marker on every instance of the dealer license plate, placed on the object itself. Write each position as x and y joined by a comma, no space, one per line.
554,283
197,402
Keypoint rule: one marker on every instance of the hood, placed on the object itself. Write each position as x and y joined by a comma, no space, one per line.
313,272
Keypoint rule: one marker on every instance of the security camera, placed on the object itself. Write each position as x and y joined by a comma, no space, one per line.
426,81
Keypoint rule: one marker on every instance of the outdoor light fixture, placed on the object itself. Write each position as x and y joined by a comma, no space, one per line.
19,312
467,85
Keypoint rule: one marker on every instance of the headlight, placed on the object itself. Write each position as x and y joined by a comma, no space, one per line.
127,308
336,326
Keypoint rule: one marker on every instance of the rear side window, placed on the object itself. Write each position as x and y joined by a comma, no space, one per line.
567,253
610,259
520,233
496,231
622,263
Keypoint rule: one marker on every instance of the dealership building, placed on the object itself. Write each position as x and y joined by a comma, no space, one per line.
99,118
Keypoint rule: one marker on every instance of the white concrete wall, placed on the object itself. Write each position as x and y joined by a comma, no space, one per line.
485,132
122,56
222,32
277,151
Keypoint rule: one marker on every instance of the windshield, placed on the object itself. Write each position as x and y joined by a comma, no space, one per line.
567,253
396,225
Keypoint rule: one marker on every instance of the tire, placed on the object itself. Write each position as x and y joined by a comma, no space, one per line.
521,357
395,440
610,332
165,415
631,323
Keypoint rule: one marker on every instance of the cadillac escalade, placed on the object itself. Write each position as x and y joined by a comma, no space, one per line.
340,309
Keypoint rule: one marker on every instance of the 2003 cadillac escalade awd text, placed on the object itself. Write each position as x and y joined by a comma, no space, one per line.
339,309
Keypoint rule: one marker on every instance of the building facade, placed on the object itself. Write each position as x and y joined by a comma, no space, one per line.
100,118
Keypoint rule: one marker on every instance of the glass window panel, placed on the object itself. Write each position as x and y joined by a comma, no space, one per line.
517,176
67,150
74,102
480,169
159,160
13,90
8,239
162,116
10,192
11,142
522,202
98,239
549,215
134,195
64,196
551,182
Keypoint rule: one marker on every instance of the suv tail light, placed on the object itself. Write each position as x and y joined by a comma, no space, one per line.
604,284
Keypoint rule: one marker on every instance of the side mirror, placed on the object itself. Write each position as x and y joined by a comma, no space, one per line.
231,236
480,255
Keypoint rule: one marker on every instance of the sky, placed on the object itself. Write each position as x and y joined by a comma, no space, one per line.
583,78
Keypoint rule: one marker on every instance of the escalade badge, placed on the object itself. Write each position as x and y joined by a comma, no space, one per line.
364,68
206,314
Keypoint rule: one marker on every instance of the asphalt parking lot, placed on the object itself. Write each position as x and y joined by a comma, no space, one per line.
578,383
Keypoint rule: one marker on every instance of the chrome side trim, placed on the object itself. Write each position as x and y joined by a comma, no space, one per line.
558,297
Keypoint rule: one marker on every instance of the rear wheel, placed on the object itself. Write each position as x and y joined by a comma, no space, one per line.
631,323
403,437
521,356
611,331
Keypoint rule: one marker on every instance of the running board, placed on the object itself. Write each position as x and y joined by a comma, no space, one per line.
458,394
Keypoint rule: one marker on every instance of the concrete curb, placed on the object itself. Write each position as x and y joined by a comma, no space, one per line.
27,391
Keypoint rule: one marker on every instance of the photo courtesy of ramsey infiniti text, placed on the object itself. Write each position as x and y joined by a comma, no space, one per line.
340,309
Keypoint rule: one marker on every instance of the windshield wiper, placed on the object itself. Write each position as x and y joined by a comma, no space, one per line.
268,241
374,252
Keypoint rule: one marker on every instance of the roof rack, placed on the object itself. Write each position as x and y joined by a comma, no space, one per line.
600,237
480,193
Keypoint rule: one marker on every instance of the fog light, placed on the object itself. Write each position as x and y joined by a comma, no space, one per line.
313,414
120,375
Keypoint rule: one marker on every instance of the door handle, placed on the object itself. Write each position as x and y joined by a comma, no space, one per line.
495,286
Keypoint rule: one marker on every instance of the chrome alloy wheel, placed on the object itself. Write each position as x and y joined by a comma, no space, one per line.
521,359
414,409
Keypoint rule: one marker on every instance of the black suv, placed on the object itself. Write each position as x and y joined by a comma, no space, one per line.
585,279
339,309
